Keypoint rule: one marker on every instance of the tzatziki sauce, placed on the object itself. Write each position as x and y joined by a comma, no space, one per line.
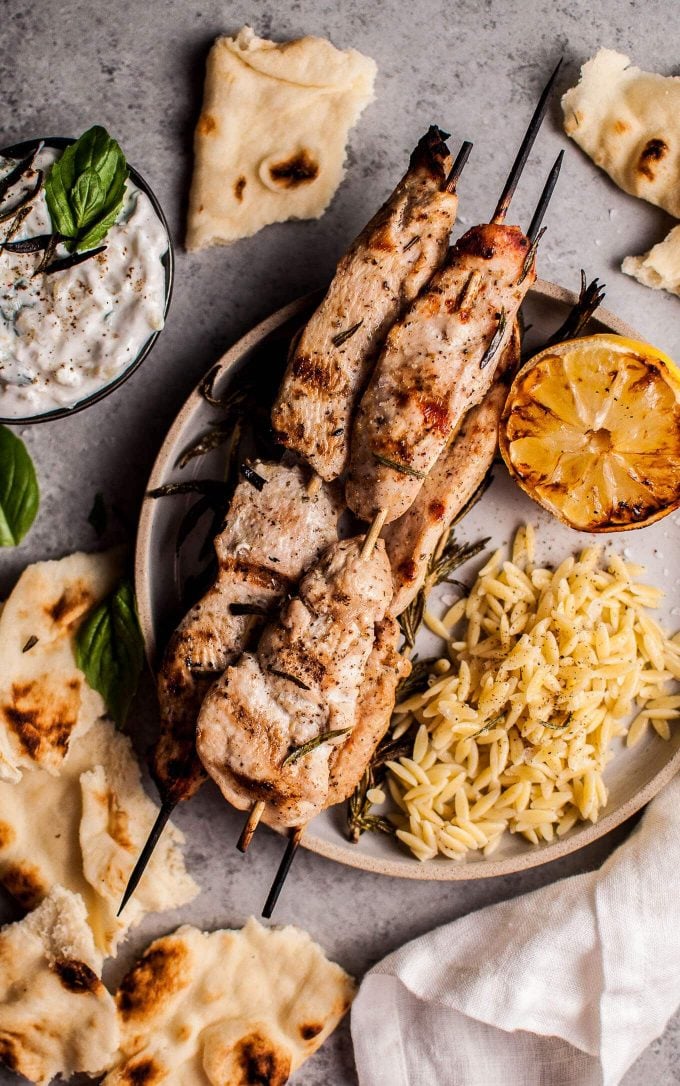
65,335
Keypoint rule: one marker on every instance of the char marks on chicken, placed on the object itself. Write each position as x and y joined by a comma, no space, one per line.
412,540
302,683
438,361
270,536
381,273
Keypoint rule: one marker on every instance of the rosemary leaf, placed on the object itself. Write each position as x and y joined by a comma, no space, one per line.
33,640
298,682
213,487
416,682
232,399
590,297
252,477
530,257
403,469
312,744
212,439
248,609
71,261
17,172
342,337
191,518
496,340
24,201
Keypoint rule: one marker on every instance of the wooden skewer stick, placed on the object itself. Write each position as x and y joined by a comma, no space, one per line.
457,168
542,206
525,149
314,485
252,822
167,807
373,533
284,867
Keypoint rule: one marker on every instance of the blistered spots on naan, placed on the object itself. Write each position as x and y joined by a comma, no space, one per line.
7,835
71,605
207,124
299,169
163,971
143,1072
23,882
76,976
653,151
256,1061
42,717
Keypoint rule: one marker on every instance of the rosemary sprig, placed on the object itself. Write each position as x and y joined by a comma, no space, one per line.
590,297
296,682
496,340
359,817
214,487
342,337
24,201
19,170
439,568
403,469
232,399
212,439
312,744
416,682
68,262
530,257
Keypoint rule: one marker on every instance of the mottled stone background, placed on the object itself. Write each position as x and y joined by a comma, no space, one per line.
475,68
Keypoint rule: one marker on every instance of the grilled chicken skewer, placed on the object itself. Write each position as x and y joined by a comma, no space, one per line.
413,539
439,359
269,538
383,270
270,726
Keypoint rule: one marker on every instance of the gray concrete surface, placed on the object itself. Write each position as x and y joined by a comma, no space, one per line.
473,67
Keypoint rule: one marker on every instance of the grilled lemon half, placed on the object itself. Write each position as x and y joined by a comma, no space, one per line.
591,431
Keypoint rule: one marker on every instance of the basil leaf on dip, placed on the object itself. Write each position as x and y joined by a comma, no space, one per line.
85,189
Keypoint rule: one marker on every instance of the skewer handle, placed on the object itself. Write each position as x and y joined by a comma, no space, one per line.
167,807
252,822
284,867
525,149
458,166
373,533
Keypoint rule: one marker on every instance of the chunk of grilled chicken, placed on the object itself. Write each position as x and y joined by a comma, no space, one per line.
384,671
300,685
269,538
383,270
438,361
414,538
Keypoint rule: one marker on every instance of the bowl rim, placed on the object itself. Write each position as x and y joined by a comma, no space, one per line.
408,867
18,150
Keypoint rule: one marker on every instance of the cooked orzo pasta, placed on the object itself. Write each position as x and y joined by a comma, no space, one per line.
543,671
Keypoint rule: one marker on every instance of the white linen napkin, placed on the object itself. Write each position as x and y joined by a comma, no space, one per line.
562,987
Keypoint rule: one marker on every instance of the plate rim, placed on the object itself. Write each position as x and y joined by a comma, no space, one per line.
408,867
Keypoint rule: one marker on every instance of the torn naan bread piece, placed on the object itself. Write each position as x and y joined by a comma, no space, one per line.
227,1008
660,267
84,830
270,142
628,121
56,1016
45,701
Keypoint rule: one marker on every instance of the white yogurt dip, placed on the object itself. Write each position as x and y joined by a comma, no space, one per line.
65,335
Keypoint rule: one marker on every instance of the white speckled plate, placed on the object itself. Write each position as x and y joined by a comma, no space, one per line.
633,777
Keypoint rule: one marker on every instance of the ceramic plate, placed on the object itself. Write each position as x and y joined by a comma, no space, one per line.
633,777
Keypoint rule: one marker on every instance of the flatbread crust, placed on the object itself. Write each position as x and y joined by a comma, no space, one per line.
45,701
270,142
227,1008
56,1017
84,830
660,267
628,121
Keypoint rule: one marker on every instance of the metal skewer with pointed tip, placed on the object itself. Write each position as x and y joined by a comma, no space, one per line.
384,269
439,360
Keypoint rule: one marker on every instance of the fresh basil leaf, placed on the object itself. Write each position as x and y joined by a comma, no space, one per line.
19,491
85,189
87,198
110,650
57,203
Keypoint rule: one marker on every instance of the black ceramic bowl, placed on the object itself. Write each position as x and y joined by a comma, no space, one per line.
20,150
